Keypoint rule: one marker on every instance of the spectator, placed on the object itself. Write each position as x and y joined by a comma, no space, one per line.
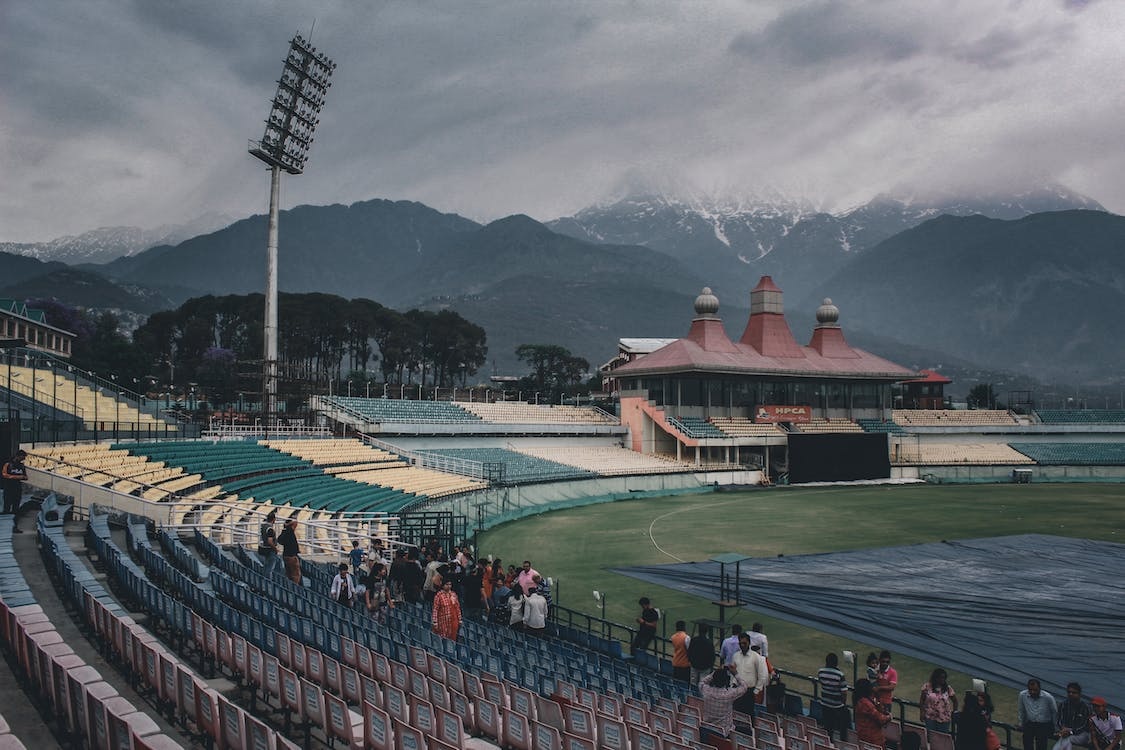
397,575
758,638
1072,722
343,587
543,586
751,668
487,583
535,613
267,545
472,587
873,667
869,717
1105,728
525,579
833,686
515,608
701,654
972,724
937,702
646,626
681,665
14,475
500,587
435,567
447,612
414,578
290,551
720,690
356,556
885,681
729,646
1036,714
378,595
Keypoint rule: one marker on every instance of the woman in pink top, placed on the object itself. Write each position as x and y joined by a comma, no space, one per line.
937,703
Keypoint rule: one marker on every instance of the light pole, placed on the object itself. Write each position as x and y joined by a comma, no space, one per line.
97,392
289,133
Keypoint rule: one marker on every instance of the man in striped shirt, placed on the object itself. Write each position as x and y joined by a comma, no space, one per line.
833,686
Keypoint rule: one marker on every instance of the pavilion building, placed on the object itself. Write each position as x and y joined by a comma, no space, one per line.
673,398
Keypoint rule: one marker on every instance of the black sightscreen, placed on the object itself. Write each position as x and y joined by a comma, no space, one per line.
837,457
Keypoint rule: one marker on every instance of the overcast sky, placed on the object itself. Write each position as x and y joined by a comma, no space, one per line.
119,112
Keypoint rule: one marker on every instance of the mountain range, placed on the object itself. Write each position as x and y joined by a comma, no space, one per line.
911,277
107,243
785,238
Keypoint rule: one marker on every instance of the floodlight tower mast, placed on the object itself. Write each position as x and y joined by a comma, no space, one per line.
289,133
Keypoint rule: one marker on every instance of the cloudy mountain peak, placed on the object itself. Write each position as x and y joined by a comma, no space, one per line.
105,244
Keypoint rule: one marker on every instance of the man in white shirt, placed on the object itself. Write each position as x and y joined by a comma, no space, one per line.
751,668
535,613
343,587
758,638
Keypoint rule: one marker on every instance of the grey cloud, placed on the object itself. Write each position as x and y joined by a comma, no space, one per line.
823,32
490,107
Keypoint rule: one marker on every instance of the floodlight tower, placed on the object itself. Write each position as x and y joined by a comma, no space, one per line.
289,133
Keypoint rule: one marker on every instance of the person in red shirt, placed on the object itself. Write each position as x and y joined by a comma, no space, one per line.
869,717
885,682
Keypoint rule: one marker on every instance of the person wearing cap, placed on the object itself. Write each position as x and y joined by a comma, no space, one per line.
1105,728
1072,725
290,551
267,545
14,475
343,587
1035,716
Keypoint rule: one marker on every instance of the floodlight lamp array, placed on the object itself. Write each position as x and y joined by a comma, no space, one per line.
296,108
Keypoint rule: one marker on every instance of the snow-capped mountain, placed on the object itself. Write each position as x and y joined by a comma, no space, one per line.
735,242
104,244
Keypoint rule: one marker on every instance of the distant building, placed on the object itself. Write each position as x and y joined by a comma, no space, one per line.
18,321
628,350
926,392
764,377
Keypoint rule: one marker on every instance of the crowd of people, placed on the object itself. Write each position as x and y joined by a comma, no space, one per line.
746,683
457,586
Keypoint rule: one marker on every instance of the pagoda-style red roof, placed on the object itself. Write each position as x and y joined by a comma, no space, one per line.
767,346
929,376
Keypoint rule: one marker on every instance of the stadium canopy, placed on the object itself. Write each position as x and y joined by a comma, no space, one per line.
1002,609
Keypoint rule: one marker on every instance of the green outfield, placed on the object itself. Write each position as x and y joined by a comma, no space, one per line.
578,546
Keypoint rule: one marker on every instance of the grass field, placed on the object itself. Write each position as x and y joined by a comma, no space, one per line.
577,547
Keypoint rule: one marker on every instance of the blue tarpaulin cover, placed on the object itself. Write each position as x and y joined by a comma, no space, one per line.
1001,609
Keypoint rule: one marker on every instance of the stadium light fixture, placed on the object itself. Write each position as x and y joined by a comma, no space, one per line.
289,133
